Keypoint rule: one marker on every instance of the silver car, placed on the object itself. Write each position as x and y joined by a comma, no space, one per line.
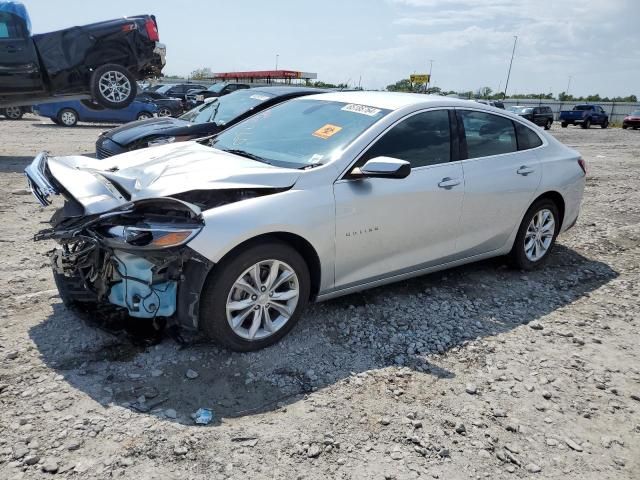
315,198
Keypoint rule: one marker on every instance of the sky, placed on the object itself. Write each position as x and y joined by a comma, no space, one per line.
377,42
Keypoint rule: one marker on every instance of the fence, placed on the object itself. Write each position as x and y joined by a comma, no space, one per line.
616,110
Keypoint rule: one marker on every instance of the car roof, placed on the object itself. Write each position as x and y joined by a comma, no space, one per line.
287,90
396,100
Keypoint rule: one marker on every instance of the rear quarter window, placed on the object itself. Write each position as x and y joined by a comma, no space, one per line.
527,138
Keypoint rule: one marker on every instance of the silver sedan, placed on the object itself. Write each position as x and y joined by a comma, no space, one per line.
315,198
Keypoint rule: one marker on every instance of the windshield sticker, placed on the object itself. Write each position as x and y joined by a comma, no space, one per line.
315,158
363,109
262,98
327,131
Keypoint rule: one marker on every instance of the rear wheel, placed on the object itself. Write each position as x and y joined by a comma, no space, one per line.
144,116
13,113
547,125
564,124
255,297
113,86
586,123
67,117
164,112
536,235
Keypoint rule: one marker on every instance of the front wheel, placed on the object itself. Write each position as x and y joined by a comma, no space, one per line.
67,117
586,123
547,125
564,124
113,86
144,116
255,297
164,112
536,235
605,124
13,113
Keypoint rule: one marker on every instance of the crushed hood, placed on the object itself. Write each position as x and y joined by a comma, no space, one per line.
161,172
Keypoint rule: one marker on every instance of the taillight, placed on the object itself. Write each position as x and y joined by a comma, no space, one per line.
152,30
583,165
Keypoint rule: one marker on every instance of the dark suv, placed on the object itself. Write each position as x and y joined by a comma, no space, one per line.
101,61
197,97
542,116
179,90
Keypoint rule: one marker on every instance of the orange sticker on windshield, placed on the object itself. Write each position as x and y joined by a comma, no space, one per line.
327,131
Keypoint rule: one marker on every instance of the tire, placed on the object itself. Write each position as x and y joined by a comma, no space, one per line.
67,117
113,86
13,113
165,112
564,124
624,127
144,116
547,125
586,123
526,259
605,124
219,289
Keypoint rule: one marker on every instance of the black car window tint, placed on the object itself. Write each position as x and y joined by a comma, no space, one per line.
487,134
527,138
422,139
10,26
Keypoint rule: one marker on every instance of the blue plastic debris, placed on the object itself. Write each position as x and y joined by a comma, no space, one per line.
203,416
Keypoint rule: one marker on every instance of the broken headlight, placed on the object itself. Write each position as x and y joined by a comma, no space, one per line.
151,237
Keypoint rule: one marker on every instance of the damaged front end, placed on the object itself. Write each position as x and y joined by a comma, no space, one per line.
131,259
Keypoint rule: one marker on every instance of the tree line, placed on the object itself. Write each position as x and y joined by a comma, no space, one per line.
405,85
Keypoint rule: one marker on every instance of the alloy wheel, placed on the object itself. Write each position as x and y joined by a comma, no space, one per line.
539,235
262,299
68,118
114,86
164,112
13,113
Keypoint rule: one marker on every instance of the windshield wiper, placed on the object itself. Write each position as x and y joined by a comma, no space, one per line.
246,154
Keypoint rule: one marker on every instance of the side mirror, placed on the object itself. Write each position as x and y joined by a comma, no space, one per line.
385,167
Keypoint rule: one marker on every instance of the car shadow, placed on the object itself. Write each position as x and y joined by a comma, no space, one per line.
17,164
90,126
410,324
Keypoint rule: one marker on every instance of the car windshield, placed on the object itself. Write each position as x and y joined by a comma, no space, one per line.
582,107
217,87
635,114
521,110
164,89
299,133
224,109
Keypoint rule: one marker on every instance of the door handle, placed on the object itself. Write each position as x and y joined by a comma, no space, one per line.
448,183
524,170
12,49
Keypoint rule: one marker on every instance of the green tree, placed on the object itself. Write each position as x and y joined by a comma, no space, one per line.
201,74
403,85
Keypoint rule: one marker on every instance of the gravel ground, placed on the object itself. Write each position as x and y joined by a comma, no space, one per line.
477,372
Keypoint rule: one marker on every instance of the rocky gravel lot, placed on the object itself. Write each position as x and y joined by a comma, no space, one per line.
478,372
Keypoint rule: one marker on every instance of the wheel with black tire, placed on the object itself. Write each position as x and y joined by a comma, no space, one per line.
13,113
67,117
164,112
547,125
624,127
604,124
113,86
564,124
536,235
144,116
254,298
586,123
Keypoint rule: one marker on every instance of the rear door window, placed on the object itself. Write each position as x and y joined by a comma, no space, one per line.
487,134
10,27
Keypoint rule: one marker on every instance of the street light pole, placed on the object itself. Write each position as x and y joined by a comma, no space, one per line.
506,85
277,56
430,70
568,85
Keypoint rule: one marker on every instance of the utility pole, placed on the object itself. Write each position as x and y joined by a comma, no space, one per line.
506,85
568,85
430,70
277,61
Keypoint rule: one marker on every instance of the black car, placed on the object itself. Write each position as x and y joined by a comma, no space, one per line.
197,97
542,116
179,90
100,61
167,107
210,118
